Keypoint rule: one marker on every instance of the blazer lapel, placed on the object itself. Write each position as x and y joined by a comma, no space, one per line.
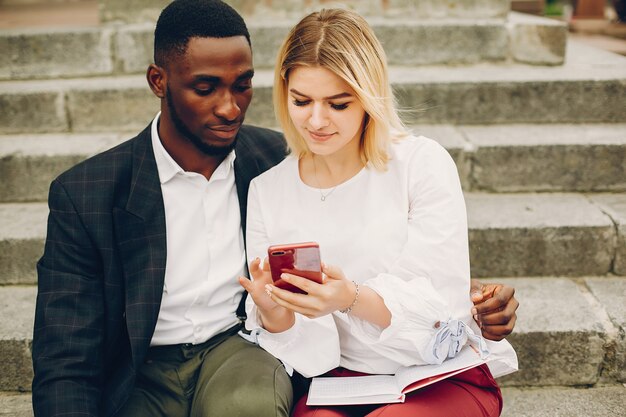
246,168
141,238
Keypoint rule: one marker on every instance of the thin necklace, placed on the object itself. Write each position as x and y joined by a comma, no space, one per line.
319,186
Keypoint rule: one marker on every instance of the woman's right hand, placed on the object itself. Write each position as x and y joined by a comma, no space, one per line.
275,318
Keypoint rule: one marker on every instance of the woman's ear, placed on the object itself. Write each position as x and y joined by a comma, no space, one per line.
157,80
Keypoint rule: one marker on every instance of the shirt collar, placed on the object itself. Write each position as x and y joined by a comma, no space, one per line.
168,167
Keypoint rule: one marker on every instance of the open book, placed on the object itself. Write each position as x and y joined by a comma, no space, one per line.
378,389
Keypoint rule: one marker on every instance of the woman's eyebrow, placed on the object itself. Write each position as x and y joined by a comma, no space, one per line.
340,95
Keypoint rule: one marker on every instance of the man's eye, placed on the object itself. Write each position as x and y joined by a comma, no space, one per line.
301,103
243,87
342,106
204,91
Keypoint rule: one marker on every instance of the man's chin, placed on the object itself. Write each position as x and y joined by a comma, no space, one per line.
216,149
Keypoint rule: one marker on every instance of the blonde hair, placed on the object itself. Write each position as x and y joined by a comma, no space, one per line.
342,42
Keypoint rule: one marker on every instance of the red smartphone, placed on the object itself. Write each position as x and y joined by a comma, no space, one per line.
302,259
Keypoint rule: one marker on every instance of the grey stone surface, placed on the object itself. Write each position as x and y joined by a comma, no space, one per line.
28,163
537,40
555,157
538,235
16,405
33,107
131,11
148,10
75,52
559,337
55,53
614,205
124,103
603,401
16,327
22,229
478,94
611,294
448,42
134,48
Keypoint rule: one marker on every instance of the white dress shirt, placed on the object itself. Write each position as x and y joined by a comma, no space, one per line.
401,232
205,250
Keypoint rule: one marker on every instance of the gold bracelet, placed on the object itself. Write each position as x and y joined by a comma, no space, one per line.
356,299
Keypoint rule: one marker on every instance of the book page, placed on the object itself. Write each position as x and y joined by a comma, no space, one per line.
465,359
354,386
373,389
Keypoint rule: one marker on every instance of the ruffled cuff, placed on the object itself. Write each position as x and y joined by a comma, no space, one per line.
450,339
415,309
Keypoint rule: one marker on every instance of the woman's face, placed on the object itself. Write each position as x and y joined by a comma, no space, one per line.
325,110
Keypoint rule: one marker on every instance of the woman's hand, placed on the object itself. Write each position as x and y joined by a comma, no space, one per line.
274,318
335,293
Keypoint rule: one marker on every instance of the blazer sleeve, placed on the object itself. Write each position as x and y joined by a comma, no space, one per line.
68,334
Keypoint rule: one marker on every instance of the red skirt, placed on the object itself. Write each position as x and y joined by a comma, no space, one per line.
473,393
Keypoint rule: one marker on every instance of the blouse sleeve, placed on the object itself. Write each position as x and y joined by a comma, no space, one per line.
310,346
427,289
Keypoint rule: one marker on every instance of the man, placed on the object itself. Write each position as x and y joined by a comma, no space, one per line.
139,305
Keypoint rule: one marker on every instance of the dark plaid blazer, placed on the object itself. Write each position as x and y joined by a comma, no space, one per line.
102,272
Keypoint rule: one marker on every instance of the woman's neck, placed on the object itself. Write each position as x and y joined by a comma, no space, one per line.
329,170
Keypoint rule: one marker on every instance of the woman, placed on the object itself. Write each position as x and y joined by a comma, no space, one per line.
388,212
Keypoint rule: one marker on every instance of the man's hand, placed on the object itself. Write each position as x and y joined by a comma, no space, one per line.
494,309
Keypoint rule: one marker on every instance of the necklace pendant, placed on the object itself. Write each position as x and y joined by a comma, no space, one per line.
323,198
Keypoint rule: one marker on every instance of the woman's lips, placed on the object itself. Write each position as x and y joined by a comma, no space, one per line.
320,136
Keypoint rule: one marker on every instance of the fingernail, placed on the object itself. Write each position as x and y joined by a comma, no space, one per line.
268,287
285,277
474,312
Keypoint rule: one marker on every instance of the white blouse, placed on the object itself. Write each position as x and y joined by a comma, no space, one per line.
401,232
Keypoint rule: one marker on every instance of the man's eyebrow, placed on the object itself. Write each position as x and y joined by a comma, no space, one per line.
340,95
246,75
215,79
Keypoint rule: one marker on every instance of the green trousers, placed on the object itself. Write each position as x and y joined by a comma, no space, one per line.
224,377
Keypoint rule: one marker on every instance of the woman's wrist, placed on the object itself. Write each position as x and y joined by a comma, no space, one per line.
355,299
277,320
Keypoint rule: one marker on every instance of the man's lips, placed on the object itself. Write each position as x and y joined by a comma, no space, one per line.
225,131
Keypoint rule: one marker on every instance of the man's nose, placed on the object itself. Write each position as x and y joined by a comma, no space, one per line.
227,107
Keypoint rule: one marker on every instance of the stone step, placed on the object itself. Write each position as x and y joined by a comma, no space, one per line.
148,10
602,401
589,88
497,158
128,49
569,332
510,235
28,163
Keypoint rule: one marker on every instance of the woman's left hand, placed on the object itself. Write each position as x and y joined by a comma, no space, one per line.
335,293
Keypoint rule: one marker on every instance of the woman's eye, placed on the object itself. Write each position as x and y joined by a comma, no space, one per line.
339,106
300,103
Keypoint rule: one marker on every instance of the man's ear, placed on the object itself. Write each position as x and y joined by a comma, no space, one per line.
157,80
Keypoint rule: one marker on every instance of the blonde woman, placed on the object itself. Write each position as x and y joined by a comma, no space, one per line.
388,212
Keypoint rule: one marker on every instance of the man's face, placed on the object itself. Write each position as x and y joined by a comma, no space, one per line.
208,92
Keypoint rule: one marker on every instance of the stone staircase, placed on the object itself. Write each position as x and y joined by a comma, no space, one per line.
536,125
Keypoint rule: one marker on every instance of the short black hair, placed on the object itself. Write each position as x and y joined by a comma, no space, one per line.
185,19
